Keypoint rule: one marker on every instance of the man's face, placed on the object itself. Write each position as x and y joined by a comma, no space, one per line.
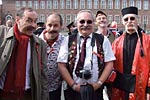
53,27
9,23
85,23
27,23
101,20
130,22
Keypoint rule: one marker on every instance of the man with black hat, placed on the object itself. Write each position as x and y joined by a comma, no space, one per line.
132,65
102,24
70,27
40,28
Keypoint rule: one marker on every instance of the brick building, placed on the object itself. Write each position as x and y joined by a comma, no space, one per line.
69,8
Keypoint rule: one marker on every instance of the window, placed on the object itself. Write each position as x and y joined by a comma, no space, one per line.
110,4
117,19
110,18
124,4
55,4
29,3
42,4
41,18
36,4
17,4
145,5
49,4
117,4
23,3
62,4
103,4
75,4
89,4
131,2
68,4
82,4
139,19
138,4
145,20
96,2
74,16
68,19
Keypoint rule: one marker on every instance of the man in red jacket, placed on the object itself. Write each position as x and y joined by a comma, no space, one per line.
132,65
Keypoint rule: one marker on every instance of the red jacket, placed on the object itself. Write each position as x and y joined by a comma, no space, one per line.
140,68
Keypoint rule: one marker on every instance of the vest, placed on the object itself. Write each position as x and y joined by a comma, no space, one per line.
72,48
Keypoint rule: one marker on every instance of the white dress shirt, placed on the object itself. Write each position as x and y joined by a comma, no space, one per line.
108,56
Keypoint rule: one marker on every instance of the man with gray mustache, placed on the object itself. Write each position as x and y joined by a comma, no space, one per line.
132,65
83,61
52,36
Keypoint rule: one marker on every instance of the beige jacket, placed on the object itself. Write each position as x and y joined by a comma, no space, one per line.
39,81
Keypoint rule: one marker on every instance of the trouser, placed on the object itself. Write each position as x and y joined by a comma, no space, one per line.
70,94
27,96
55,95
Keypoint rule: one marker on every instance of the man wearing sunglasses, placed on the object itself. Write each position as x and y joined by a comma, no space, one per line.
85,76
132,65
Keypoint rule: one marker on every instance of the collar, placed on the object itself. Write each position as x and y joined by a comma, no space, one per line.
83,36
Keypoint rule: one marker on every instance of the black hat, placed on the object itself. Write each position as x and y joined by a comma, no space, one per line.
69,25
129,10
100,12
40,24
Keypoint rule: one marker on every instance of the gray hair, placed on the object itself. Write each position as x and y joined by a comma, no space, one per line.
82,11
21,11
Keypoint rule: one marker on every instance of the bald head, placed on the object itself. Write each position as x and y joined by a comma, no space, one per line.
53,26
55,17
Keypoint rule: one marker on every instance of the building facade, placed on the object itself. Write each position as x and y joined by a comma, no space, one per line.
69,9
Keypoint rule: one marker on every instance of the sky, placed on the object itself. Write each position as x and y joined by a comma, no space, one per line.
0,2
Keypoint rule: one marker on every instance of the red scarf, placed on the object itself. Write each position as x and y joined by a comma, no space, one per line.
16,73
50,43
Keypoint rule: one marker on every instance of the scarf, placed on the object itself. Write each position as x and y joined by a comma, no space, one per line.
14,85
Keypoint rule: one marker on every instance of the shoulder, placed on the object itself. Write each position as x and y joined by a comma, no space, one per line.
39,41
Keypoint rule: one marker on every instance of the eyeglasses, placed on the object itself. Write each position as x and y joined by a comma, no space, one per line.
88,21
131,18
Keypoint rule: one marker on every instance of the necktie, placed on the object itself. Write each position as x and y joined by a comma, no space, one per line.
82,56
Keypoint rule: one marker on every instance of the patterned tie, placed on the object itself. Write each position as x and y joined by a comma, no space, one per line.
82,56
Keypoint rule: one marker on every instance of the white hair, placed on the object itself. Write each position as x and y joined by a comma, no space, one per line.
82,11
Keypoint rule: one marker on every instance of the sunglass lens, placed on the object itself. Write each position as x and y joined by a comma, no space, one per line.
126,19
82,21
89,22
132,18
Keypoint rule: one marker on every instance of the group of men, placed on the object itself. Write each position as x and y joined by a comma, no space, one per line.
33,68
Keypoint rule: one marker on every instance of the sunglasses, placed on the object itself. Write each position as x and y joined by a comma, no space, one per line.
88,21
131,18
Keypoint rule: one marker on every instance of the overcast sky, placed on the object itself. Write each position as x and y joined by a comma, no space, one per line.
0,2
